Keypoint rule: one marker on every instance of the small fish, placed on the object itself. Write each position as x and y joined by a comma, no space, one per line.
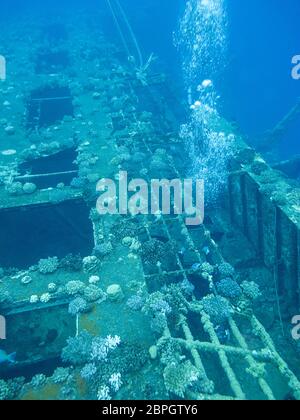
196,266
206,250
182,251
7,358
223,334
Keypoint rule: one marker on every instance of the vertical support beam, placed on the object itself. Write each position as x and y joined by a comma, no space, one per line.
260,225
268,217
244,205
287,232
278,267
252,215
235,199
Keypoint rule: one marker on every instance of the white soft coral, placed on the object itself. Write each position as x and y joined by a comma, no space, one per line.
112,342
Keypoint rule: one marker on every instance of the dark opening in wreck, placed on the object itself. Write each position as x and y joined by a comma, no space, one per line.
31,233
48,105
49,171
37,336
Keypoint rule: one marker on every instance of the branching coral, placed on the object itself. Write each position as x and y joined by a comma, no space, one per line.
217,308
115,381
226,270
4,390
128,358
49,265
156,303
38,380
88,371
78,349
169,350
157,308
61,375
156,251
77,306
104,393
85,348
74,287
251,290
187,287
136,302
229,288
178,377
99,350
93,293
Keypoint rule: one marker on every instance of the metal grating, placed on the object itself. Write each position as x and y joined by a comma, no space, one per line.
258,360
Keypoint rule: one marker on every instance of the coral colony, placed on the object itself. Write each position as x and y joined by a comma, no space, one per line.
113,284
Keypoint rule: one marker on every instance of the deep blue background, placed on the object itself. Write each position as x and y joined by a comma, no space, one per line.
264,36
257,88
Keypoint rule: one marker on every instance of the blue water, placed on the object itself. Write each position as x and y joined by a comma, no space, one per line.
257,88
264,36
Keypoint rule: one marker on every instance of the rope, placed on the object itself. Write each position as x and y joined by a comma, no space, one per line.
118,27
129,28
132,34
